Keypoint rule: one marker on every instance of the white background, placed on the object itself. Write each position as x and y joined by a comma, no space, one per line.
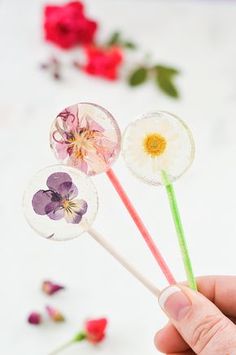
199,38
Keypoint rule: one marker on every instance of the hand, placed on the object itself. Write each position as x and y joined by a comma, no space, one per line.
200,322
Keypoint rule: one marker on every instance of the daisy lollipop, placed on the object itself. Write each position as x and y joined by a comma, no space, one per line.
61,203
158,148
87,137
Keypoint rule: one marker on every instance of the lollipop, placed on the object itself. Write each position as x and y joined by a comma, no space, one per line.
87,137
158,148
61,203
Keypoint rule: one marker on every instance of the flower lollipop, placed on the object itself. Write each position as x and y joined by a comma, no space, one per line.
61,203
158,148
87,137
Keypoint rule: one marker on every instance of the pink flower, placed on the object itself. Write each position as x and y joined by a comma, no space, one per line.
67,26
103,62
50,288
95,330
81,141
34,318
55,314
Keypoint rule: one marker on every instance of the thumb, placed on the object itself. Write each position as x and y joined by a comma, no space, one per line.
201,324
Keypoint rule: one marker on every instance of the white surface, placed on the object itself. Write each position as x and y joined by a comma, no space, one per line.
199,37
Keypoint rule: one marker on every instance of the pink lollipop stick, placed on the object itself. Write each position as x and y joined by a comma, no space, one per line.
142,229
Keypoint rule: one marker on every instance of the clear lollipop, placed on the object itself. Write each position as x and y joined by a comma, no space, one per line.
158,148
61,203
87,137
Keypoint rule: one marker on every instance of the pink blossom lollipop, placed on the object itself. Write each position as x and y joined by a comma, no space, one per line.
61,203
87,137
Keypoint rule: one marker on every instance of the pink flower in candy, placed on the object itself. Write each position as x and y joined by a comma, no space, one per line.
55,314
81,141
34,318
50,288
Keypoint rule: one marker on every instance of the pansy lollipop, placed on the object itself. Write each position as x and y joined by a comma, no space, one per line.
158,148
87,137
61,203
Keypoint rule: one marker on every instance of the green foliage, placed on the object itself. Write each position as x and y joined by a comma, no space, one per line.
163,75
116,39
138,76
129,45
167,70
165,80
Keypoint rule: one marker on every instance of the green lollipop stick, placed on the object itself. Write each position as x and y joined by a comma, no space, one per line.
180,231
159,148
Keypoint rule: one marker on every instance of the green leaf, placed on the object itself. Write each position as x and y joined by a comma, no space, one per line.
164,79
114,39
167,70
165,83
129,45
138,77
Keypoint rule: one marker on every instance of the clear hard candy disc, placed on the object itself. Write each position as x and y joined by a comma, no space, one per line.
158,143
60,203
87,137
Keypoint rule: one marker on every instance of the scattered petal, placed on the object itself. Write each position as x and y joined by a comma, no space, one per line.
35,318
55,314
50,287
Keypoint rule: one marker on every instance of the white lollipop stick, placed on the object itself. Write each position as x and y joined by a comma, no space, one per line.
141,278
34,205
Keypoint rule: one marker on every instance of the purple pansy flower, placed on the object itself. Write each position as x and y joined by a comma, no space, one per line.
59,200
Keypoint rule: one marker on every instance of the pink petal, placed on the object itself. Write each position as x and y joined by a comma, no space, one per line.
62,150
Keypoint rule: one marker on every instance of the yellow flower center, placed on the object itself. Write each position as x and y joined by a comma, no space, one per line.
82,142
154,144
68,205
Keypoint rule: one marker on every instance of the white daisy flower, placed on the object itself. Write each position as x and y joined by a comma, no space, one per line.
158,142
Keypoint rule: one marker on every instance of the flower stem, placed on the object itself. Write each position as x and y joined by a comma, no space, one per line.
77,338
180,231
62,347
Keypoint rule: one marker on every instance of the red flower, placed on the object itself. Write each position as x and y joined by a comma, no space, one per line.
67,25
95,330
103,62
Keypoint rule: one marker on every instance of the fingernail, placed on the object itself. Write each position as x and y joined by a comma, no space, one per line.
174,302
